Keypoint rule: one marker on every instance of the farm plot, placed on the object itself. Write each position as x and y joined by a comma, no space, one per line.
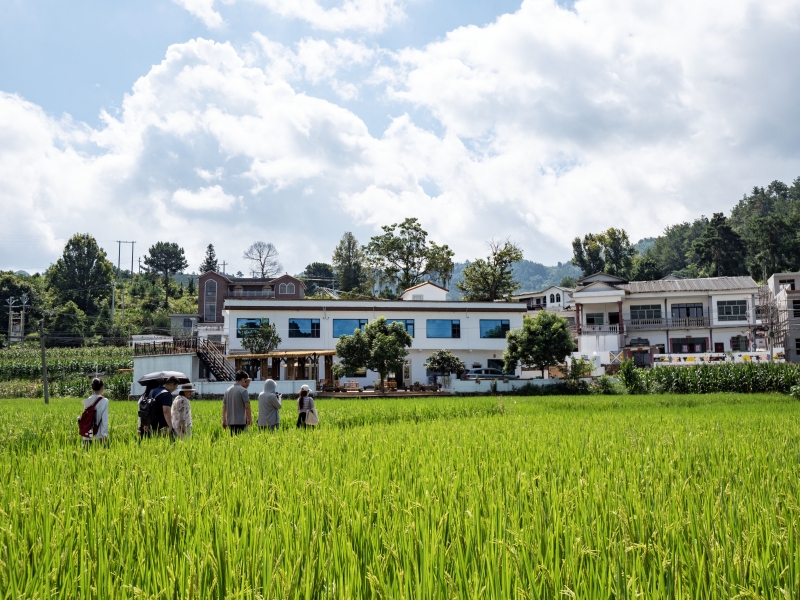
587,497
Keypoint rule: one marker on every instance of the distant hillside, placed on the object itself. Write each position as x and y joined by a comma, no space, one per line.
532,276
644,244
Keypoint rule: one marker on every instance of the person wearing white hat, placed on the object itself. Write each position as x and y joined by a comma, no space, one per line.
305,406
182,411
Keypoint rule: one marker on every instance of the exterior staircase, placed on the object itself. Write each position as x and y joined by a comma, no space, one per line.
214,360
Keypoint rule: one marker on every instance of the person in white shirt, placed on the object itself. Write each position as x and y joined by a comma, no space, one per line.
182,411
101,412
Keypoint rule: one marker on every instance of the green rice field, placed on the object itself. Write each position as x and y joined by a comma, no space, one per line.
660,496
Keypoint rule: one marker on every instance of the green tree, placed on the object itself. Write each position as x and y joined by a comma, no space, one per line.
772,245
82,275
646,268
492,278
210,261
68,326
405,257
262,339
673,251
569,282
380,347
543,341
348,263
720,249
191,289
608,252
317,275
588,254
445,362
165,259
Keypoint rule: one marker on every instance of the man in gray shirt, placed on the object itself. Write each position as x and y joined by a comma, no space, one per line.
236,415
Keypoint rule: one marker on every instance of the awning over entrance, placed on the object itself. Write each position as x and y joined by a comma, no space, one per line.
299,364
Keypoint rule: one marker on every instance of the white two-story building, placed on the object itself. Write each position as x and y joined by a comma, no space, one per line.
669,316
310,329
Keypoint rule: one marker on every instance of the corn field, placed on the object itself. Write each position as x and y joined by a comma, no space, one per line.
672,496
63,363
740,378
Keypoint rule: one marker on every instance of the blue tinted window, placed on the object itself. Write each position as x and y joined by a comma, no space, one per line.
303,328
347,326
244,324
444,328
408,323
491,328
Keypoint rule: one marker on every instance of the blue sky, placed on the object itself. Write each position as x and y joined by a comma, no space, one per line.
292,121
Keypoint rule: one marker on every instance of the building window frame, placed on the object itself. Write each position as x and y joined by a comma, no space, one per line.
502,327
642,312
407,323
312,326
338,324
245,323
595,319
732,310
210,301
454,329
686,310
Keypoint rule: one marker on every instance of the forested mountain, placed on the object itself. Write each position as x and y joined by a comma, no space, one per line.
759,238
532,276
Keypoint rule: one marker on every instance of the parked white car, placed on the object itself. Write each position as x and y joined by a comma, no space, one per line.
486,374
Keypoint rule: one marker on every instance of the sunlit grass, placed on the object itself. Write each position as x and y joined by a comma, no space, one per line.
587,497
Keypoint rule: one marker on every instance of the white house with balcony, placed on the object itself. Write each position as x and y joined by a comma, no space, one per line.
672,316
310,329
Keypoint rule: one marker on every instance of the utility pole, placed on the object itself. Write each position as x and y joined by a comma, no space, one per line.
114,285
22,319
223,267
11,300
44,362
140,265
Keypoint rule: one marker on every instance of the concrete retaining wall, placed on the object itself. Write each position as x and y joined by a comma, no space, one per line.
461,386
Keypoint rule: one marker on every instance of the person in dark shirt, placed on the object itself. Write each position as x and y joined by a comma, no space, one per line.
163,396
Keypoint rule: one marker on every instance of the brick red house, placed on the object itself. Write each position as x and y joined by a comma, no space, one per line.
214,288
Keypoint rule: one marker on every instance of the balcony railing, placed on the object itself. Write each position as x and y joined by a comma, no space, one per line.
608,329
668,323
251,294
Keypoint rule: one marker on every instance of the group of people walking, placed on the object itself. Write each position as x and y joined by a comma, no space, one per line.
161,412
237,415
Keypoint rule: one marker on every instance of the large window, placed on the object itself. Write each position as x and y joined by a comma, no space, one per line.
243,325
645,311
594,318
347,326
496,363
303,328
796,309
732,310
688,345
407,323
685,311
786,283
444,328
491,328
210,315
739,343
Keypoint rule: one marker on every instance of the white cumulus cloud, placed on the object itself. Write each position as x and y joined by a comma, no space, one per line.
365,15
203,10
207,198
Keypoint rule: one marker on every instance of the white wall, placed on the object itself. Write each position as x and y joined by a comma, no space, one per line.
484,386
188,364
469,315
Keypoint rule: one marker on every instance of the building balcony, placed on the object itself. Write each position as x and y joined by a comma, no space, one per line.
668,323
604,329
250,294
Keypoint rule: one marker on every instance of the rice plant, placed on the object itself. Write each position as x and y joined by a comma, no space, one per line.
672,496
